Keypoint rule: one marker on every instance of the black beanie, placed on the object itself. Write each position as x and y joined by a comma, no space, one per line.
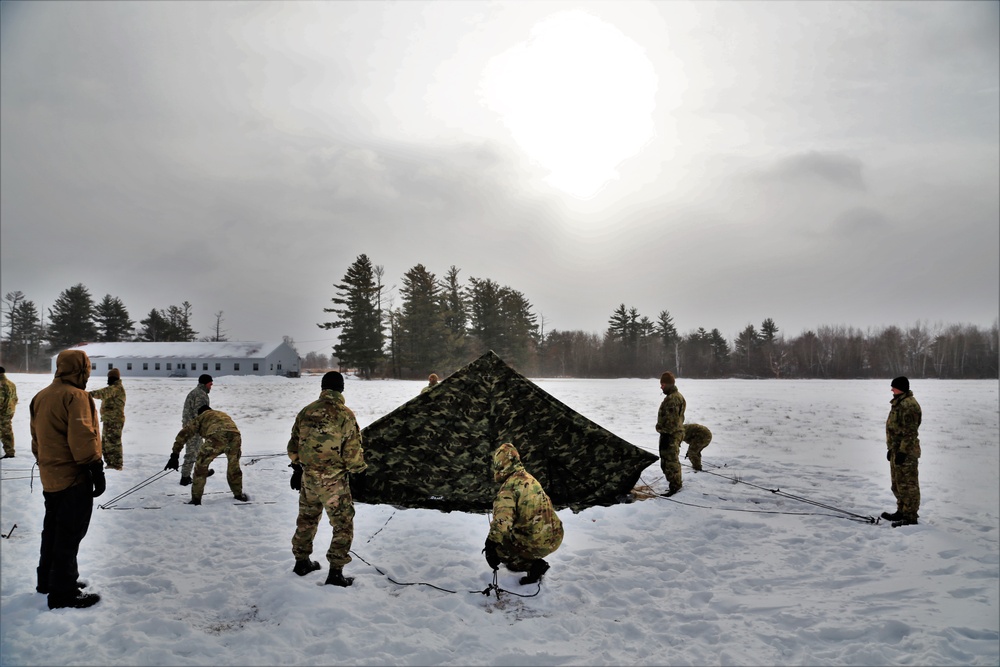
204,378
333,380
204,408
901,383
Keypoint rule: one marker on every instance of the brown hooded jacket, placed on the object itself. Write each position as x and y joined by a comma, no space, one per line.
65,436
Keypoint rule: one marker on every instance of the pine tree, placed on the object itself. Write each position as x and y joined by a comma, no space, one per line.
112,320
155,328
71,319
456,321
24,335
422,329
359,318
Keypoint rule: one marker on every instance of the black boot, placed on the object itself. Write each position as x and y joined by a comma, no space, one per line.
891,517
209,473
242,497
337,578
305,566
671,491
905,521
194,501
538,568
185,481
75,600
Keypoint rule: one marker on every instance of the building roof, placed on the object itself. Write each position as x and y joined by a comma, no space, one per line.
193,350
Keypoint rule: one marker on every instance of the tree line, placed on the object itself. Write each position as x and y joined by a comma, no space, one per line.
441,324
76,318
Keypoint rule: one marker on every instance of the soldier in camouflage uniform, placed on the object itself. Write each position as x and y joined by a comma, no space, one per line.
8,401
112,400
432,380
697,438
220,437
196,398
325,448
670,426
903,452
525,526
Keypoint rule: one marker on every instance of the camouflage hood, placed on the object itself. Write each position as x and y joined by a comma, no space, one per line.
73,367
436,450
506,461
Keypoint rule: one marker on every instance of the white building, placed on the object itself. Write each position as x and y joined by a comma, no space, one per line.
191,359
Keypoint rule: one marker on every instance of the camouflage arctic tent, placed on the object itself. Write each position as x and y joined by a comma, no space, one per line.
435,450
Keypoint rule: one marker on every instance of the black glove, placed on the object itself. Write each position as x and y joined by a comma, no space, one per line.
900,458
888,455
491,554
296,481
97,477
174,463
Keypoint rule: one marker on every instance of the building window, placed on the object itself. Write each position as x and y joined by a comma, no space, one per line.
180,366
145,365
156,366
218,366
170,366
236,366
110,366
128,366
93,366
194,365
256,366
279,365
272,367
204,366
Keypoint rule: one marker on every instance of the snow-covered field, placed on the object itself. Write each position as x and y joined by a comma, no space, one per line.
725,573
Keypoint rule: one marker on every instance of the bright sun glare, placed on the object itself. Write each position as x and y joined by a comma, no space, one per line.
577,97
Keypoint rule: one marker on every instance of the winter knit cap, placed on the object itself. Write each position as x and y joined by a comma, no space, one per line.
114,374
667,378
204,408
901,383
2,370
333,380
204,378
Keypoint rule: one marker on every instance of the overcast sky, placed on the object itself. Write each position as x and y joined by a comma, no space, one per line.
816,163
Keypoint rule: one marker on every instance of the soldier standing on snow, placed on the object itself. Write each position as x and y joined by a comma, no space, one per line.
112,400
903,452
325,448
220,437
196,398
697,438
670,426
8,401
525,526
66,443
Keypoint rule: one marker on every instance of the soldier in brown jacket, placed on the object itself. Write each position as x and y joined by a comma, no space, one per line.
66,443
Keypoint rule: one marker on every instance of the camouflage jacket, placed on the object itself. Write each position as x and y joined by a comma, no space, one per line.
196,398
326,439
670,418
8,397
902,424
206,425
112,400
522,511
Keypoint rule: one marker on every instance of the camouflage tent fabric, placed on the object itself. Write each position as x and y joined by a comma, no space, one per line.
435,450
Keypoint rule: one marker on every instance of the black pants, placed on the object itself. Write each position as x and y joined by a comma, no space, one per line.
67,518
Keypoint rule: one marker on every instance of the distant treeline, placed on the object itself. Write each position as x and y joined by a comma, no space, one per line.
439,325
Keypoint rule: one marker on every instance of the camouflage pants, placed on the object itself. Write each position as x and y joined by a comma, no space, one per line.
229,443
111,444
517,557
905,486
697,438
333,495
7,436
191,448
670,458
